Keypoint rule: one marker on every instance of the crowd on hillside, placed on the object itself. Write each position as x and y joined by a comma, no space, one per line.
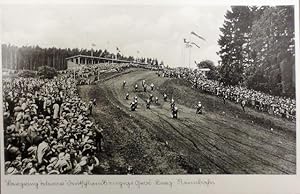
275,105
90,74
47,129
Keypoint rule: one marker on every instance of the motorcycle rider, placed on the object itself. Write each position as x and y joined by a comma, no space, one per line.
165,97
199,108
135,87
148,104
151,98
172,104
156,100
132,106
224,97
175,112
243,104
152,86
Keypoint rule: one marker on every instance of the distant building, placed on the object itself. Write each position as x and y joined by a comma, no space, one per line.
204,71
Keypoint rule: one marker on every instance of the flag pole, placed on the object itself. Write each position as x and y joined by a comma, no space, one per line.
117,53
190,46
92,49
182,52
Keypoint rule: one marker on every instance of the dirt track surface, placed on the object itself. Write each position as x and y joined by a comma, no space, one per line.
223,140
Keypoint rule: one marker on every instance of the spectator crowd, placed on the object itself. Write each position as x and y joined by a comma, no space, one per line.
47,129
88,75
279,106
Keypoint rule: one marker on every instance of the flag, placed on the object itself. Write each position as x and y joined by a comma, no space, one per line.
194,33
118,50
137,52
188,45
195,44
93,44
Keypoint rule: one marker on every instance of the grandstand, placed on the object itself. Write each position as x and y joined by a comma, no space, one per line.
76,61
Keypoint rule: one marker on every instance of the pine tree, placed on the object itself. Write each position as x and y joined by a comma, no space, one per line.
273,43
234,43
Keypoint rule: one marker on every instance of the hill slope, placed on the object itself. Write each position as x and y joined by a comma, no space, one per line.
223,140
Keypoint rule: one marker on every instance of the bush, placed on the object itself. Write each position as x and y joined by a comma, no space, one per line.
26,73
47,72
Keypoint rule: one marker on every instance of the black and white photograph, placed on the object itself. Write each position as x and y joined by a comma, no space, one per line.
138,89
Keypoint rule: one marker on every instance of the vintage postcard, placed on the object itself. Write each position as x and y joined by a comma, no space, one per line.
149,97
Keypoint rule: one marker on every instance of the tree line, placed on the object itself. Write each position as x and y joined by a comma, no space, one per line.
33,57
257,49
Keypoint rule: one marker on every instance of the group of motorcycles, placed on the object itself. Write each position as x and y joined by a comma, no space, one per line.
174,108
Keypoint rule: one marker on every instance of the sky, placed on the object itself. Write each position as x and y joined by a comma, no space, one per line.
156,31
